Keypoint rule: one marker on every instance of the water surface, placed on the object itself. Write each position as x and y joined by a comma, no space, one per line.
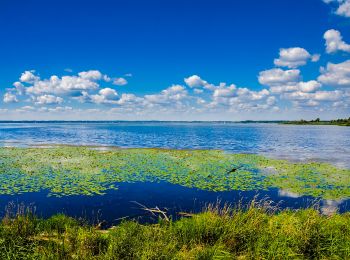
291,142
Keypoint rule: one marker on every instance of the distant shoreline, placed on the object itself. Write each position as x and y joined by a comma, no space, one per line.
338,122
138,121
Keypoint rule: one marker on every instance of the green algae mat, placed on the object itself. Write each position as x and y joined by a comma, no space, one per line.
68,170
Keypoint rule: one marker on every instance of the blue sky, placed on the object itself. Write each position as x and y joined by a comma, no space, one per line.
174,60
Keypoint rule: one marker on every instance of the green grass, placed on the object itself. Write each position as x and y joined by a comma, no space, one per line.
68,170
251,233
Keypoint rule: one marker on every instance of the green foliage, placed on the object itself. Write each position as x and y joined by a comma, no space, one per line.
251,233
67,170
317,121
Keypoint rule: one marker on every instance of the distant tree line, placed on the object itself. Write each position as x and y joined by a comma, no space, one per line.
318,121
341,121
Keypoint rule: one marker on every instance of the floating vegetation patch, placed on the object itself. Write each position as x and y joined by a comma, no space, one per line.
67,170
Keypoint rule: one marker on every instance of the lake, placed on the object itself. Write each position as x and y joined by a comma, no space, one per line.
295,143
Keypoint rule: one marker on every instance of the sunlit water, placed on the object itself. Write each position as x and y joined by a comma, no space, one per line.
296,143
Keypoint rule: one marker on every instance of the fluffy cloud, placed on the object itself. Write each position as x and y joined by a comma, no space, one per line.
120,81
48,100
308,86
195,81
19,88
84,87
10,98
104,96
294,57
31,84
175,93
328,95
129,100
343,8
108,93
336,75
173,99
67,85
275,77
240,99
225,91
271,100
334,42
318,95
28,77
90,75
289,86
231,97
246,94
198,96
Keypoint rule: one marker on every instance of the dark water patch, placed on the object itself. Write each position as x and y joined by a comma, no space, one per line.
119,204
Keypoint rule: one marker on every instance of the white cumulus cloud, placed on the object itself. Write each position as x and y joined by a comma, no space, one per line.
48,100
334,42
195,81
120,81
31,84
104,96
225,91
308,86
65,85
277,76
343,8
90,75
28,77
294,57
175,93
10,98
336,75
318,95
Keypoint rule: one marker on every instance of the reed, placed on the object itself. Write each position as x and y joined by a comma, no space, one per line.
257,231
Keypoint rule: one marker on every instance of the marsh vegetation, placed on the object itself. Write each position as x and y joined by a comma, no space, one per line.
254,232
69,170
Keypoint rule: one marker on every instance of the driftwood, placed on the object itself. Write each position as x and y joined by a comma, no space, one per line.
153,211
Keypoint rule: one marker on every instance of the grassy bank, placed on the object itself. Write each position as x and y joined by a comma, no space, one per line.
253,233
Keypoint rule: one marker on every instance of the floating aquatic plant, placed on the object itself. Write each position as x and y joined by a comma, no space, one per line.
67,170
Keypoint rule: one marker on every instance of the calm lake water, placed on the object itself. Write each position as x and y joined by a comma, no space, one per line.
296,143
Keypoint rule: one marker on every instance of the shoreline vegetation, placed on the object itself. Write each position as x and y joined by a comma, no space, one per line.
255,232
82,170
317,121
